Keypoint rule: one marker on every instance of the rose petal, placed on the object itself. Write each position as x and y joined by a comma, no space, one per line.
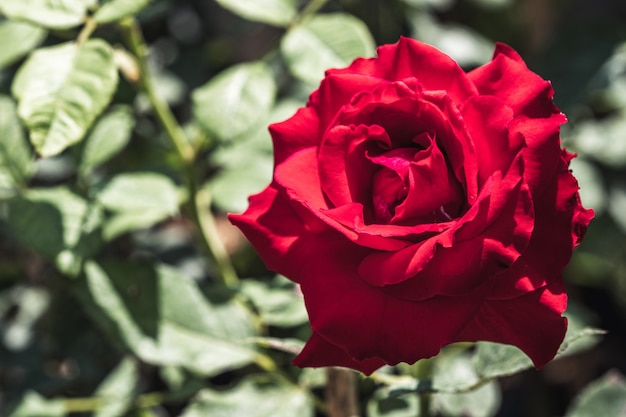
488,120
280,234
336,91
318,352
366,322
295,134
557,228
508,78
487,239
532,322
409,58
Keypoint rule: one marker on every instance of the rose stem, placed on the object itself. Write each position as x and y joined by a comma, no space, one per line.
341,398
198,198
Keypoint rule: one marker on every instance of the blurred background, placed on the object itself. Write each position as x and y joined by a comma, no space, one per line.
51,344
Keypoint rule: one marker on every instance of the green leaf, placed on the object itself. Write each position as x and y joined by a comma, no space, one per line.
34,405
58,224
493,360
54,14
62,89
277,306
18,38
381,405
230,188
604,397
466,394
109,136
251,399
138,200
235,100
113,10
163,318
118,389
16,158
273,12
247,163
323,42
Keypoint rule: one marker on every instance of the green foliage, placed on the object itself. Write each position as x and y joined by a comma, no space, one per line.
61,90
604,397
118,297
251,398
235,100
55,14
323,42
18,38
273,12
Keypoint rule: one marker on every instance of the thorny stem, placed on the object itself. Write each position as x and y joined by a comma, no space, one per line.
199,198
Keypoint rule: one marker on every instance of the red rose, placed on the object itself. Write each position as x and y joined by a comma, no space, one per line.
418,205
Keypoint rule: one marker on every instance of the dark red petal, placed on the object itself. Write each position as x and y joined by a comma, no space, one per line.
345,171
319,352
336,91
432,186
487,239
299,176
280,234
488,119
366,322
508,78
409,58
543,151
559,220
532,322
294,134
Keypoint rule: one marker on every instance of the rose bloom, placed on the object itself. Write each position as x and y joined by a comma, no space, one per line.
418,205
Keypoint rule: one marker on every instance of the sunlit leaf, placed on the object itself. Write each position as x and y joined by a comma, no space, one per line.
58,224
18,38
138,200
454,371
55,14
277,306
323,42
251,399
162,317
604,397
113,10
235,100
382,405
16,158
118,389
62,89
34,405
273,12
109,136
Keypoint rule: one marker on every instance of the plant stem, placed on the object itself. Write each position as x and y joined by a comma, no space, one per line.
424,371
208,229
137,45
86,31
341,397
309,10
200,200
89,404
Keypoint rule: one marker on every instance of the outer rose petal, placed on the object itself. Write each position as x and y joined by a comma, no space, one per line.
366,322
531,322
278,232
409,58
319,352
560,222
294,134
